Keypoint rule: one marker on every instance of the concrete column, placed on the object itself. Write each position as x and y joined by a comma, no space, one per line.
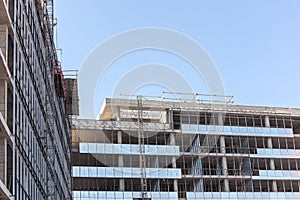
267,121
272,162
224,163
220,119
172,142
121,163
120,160
118,113
3,160
170,119
223,151
120,157
169,116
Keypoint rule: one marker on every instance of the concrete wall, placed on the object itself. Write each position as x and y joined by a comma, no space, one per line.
3,98
3,40
3,160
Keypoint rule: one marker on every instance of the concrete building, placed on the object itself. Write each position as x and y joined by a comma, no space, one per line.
34,128
186,148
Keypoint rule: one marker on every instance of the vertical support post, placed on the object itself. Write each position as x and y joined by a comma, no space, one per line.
5,100
5,161
224,164
15,108
118,113
120,157
172,142
141,138
223,151
121,163
169,117
270,146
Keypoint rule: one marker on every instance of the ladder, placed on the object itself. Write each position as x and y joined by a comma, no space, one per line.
142,158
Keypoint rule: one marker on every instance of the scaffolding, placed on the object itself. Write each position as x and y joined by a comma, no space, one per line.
185,97
40,150
142,158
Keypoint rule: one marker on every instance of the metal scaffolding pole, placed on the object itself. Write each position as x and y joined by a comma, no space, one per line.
142,158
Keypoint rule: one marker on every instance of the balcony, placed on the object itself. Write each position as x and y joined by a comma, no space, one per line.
125,172
88,195
242,195
236,130
277,175
129,149
276,153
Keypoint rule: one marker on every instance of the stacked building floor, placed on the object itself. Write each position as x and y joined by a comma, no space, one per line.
141,148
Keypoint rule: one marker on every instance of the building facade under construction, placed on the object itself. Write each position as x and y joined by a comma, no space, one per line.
187,149
34,128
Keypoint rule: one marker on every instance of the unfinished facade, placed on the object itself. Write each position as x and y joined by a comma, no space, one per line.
186,149
34,128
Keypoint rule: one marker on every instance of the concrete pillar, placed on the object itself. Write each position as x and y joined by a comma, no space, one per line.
220,119
169,116
223,151
170,119
121,163
120,160
175,180
267,121
118,113
120,157
3,160
272,162
224,163
172,139
172,142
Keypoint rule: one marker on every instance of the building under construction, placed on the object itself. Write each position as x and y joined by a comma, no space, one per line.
34,128
188,149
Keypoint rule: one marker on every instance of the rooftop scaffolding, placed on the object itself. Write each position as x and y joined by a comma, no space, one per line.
158,104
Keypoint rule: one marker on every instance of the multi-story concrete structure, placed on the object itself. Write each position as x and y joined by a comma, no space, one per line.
186,149
34,129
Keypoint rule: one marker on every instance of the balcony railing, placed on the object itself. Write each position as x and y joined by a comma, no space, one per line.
236,130
125,172
88,195
130,149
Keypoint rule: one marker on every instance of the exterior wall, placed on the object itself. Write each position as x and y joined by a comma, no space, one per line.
195,153
34,125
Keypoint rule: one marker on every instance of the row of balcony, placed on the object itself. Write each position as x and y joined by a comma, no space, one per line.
173,173
185,128
171,150
236,130
93,195
125,172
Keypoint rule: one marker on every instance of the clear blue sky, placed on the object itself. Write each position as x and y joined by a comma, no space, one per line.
255,44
